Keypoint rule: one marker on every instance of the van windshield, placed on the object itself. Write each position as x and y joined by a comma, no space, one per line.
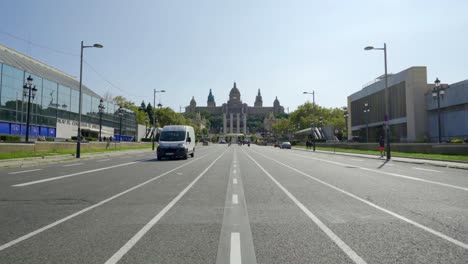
172,136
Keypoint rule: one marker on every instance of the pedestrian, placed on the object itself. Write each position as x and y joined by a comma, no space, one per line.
381,146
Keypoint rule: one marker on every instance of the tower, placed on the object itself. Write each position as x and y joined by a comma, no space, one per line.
258,100
211,101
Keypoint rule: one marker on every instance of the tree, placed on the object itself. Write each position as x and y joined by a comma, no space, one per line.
150,113
282,128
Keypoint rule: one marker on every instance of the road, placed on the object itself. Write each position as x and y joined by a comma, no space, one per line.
234,204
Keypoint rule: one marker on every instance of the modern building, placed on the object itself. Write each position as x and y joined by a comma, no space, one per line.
235,114
407,108
453,112
54,108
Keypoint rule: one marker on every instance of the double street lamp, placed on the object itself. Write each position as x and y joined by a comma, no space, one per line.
101,110
120,112
367,110
29,90
438,92
154,113
146,125
312,123
346,115
387,99
78,138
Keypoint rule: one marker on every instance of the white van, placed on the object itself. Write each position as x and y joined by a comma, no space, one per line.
176,141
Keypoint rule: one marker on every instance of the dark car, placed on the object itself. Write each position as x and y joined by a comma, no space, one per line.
285,145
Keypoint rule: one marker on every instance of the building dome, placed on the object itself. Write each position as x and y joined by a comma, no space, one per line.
276,102
192,102
234,94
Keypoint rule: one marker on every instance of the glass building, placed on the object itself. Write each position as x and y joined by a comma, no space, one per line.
54,109
407,113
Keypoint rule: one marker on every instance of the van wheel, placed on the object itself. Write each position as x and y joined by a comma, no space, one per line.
185,157
193,154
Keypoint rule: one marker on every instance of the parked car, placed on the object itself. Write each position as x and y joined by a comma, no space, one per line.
222,142
285,145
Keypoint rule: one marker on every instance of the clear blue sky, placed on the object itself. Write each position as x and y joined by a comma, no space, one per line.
282,47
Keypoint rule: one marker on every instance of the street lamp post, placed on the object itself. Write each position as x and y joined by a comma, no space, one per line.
438,92
78,138
387,99
29,90
346,115
146,125
154,113
101,110
367,110
120,113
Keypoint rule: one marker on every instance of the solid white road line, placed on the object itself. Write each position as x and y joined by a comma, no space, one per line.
235,255
422,169
386,173
42,229
234,171
235,199
129,245
75,174
17,172
102,160
425,228
234,181
74,164
342,245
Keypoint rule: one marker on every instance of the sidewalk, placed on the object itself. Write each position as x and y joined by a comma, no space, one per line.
35,161
438,163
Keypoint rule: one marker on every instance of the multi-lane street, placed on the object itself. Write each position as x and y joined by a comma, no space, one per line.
234,204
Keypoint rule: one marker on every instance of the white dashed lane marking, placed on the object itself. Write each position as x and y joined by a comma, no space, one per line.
17,172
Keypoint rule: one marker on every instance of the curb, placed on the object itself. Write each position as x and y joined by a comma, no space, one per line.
436,163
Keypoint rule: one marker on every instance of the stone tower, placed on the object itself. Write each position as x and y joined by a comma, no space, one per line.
277,108
258,100
211,101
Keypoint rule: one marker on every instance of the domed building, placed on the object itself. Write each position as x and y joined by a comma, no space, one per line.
235,114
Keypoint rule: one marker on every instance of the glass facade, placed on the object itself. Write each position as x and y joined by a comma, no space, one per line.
52,101
376,114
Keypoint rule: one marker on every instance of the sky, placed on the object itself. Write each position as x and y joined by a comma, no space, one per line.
283,48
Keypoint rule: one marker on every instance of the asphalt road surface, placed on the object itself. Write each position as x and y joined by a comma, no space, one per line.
234,204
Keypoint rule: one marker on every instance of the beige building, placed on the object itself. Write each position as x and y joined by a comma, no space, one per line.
235,113
407,111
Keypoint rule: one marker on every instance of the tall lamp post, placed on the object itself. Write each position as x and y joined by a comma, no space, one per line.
387,99
367,110
437,92
346,115
101,110
146,125
120,113
78,136
29,90
154,113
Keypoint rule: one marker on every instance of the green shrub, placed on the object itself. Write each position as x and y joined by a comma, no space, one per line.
90,138
49,139
10,138
455,140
